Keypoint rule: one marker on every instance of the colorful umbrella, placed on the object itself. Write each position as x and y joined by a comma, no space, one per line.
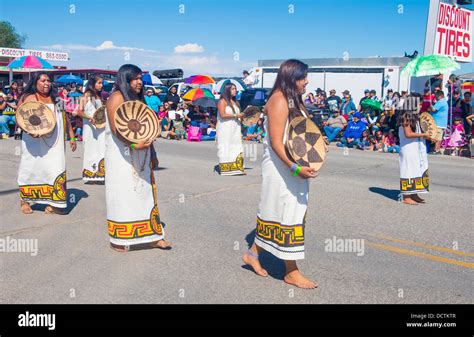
200,79
30,62
196,93
69,79
205,102
371,103
238,84
430,65
150,79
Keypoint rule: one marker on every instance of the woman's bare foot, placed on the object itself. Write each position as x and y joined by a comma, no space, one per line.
297,279
162,244
26,208
417,198
252,261
54,210
120,249
409,201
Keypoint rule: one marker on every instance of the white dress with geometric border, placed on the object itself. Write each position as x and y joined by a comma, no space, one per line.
282,208
42,171
94,146
130,193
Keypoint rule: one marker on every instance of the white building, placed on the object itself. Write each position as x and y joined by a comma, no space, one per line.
353,74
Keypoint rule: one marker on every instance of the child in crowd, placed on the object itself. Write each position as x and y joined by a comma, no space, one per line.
457,139
256,132
372,120
389,142
364,141
167,127
377,141
179,128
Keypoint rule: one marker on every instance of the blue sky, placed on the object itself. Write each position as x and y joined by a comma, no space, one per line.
216,37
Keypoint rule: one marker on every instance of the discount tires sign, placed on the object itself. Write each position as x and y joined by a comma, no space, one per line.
453,32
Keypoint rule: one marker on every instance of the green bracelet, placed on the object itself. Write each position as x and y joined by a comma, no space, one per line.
132,146
298,169
73,138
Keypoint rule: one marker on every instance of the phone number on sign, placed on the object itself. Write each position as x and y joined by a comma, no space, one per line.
56,56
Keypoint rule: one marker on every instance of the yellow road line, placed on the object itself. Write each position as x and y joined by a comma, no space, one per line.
418,244
420,254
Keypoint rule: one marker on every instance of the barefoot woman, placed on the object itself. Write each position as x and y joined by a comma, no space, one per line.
132,211
229,134
284,194
42,172
414,176
93,137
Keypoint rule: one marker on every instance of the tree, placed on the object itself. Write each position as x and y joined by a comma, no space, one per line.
9,38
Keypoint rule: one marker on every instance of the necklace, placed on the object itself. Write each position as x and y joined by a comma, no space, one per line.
37,96
137,174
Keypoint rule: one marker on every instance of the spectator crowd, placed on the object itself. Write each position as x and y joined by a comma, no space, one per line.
369,124
373,126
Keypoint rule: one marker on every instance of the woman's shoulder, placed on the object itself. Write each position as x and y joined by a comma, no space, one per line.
116,96
28,98
277,100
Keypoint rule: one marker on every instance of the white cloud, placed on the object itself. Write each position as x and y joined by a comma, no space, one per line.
188,48
66,47
106,45
110,45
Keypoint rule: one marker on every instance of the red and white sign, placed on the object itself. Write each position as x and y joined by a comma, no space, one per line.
46,55
453,34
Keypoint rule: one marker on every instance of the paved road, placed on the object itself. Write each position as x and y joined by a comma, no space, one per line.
421,254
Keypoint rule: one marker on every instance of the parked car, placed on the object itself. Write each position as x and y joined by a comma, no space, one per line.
182,88
254,96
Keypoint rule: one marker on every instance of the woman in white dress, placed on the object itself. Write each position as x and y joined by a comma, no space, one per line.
229,134
285,185
93,138
132,211
414,175
42,171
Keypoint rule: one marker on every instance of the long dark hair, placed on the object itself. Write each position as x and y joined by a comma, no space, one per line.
409,113
30,88
125,75
226,95
291,71
91,86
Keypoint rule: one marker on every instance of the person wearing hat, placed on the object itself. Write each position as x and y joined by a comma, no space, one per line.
366,96
42,172
173,98
353,132
152,100
348,107
333,101
428,100
388,100
373,95
413,159
334,125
